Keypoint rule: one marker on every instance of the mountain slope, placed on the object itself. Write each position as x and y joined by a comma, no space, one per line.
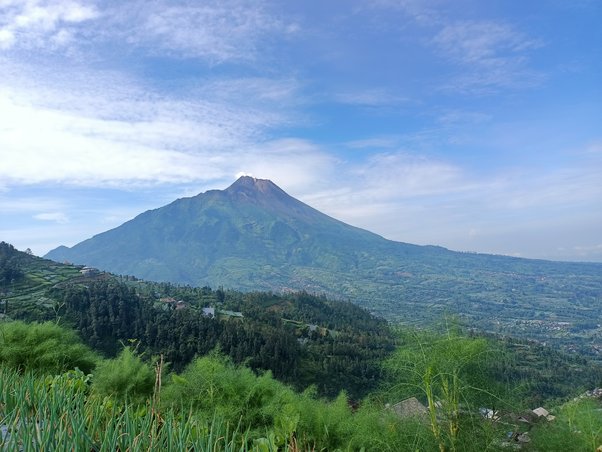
253,236
230,237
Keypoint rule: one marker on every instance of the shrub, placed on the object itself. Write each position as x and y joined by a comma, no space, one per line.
43,348
125,377
214,385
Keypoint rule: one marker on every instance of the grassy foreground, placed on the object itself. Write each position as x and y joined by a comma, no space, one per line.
63,413
56,413
131,403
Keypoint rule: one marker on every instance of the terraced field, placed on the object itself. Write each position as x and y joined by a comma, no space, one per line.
29,296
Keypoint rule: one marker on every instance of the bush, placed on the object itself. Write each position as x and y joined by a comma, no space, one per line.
213,385
43,348
452,374
277,417
125,377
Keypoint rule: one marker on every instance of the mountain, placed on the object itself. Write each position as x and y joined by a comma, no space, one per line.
254,236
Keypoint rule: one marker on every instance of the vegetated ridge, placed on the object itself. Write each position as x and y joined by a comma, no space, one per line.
301,338
254,236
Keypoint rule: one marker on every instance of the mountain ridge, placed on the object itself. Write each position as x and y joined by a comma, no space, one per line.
263,211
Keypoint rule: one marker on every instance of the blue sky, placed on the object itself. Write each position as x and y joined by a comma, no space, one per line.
468,124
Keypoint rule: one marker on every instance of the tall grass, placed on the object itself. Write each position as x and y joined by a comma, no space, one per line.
66,413
58,413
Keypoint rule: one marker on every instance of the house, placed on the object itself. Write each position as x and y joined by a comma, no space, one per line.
490,414
533,416
172,303
541,412
89,271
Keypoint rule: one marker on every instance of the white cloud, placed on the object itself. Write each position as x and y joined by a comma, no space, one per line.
7,38
408,197
485,43
15,204
35,23
106,130
255,90
216,31
485,56
56,217
294,164
383,185
492,56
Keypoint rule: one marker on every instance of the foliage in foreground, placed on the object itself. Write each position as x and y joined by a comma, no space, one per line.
57,413
216,405
43,347
271,411
61,412
578,426
452,374
126,377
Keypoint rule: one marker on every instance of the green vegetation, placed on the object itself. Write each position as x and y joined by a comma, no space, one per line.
45,347
10,271
126,377
216,405
578,427
302,339
61,413
25,294
268,372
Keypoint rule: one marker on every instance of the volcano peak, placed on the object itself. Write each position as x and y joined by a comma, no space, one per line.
250,185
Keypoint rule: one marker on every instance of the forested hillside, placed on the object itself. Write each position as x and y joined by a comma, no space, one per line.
302,339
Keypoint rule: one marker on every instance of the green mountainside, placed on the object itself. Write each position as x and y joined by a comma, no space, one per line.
253,236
